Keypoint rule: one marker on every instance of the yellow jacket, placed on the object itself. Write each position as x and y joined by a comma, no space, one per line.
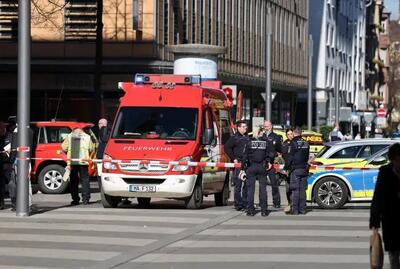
78,145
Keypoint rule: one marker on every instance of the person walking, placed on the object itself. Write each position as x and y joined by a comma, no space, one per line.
298,163
286,151
234,148
78,145
276,142
386,205
258,159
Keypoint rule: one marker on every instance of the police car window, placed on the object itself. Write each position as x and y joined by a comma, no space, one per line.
57,134
322,152
370,150
349,152
156,123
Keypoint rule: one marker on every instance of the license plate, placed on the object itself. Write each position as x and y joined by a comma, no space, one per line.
142,188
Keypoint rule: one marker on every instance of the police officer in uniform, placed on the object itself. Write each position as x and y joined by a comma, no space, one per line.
276,141
298,163
286,151
258,157
234,148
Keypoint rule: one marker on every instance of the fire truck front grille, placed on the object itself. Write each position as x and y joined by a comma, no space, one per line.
143,168
144,181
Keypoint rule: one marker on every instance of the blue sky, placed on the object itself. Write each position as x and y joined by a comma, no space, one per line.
393,6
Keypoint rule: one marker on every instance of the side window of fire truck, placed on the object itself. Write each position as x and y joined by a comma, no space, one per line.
57,134
35,131
42,136
224,125
209,114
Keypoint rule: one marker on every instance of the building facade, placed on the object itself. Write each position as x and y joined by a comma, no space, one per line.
135,33
338,29
377,65
378,61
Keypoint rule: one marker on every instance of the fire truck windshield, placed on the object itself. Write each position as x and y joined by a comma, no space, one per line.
156,123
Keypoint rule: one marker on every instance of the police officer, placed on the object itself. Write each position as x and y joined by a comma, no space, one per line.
258,157
276,141
286,151
234,148
298,163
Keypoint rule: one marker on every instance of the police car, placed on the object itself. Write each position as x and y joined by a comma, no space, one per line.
332,189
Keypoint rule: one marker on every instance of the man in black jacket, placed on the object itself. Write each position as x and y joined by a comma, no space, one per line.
234,148
276,141
298,164
259,158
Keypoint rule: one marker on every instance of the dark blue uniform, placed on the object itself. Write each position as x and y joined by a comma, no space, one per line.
257,155
286,151
276,142
298,163
234,148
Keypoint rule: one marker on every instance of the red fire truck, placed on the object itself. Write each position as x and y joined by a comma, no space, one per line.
165,118
48,165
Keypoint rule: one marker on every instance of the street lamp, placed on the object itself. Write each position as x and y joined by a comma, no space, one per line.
268,78
23,115
309,97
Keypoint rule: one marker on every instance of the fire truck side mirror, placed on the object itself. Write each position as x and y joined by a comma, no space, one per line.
208,136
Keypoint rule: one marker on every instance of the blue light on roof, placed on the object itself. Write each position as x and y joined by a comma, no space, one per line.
139,79
196,79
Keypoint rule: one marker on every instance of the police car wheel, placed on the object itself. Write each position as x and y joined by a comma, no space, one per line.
51,181
330,193
196,199
143,201
221,198
109,201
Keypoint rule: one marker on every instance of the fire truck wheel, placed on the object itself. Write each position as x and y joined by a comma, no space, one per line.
143,201
196,199
51,181
221,198
109,201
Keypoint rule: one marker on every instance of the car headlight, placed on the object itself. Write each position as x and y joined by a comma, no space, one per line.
108,163
181,168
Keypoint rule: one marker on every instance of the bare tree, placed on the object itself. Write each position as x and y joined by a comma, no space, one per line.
48,14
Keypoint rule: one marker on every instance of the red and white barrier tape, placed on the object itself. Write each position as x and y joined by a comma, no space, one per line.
193,164
19,149
171,163
331,168
23,149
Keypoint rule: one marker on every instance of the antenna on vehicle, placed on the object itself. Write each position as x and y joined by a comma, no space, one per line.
59,101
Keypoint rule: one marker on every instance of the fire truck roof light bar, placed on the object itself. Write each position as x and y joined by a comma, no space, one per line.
164,79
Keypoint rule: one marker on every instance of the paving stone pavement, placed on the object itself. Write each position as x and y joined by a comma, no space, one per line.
168,236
